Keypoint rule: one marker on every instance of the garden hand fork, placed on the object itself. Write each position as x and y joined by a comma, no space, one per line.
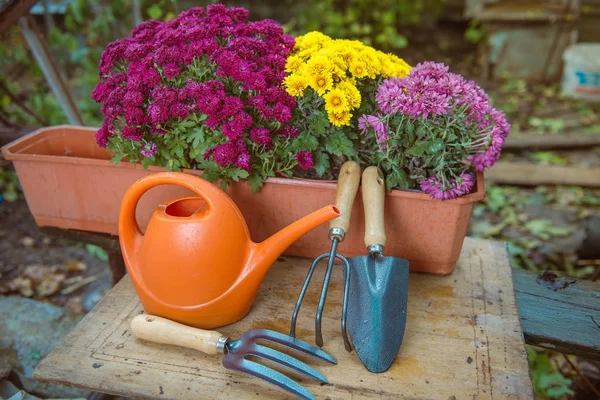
160,330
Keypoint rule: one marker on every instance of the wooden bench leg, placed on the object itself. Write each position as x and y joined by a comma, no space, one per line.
116,266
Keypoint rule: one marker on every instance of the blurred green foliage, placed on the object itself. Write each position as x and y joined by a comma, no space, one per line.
76,41
9,185
379,23
547,381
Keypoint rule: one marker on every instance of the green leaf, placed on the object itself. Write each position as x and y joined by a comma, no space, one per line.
318,123
255,181
146,162
397,178
421,131
155,12
410,128
543,229
418,149
238,174
97,252
435,145
306,141
338,144
211,173
10,194
117,158
321,163
196,136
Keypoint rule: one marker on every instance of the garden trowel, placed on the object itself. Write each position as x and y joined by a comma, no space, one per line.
378,287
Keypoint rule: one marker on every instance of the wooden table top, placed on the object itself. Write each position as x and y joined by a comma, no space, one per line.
463,340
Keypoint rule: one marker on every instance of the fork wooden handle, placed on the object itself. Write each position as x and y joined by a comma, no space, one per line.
161,330
347,186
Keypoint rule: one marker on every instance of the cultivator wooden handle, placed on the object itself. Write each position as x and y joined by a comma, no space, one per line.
347,187
373,192
160,330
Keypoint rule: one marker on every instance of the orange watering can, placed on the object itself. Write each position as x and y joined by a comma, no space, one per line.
196,263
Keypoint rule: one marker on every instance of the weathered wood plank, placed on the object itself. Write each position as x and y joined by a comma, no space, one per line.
536,174
463,340
545,142
566,320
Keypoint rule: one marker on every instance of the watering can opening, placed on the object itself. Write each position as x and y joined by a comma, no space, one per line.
187,207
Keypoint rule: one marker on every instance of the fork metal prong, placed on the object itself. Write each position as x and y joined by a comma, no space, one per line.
267,374
287,361
280,338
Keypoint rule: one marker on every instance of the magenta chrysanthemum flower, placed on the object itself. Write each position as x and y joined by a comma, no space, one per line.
131,133
305,160
171,70
288,132
102,136
260,136
133,98
225,154
233,87
243,161
134,116
149,149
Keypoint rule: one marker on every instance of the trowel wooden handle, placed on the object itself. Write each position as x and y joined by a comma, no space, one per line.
373,193
161,330
347,186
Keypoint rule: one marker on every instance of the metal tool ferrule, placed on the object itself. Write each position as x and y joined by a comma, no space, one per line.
337,233
375,249
222,344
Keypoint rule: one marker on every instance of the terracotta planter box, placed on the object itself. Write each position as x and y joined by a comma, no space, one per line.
70,183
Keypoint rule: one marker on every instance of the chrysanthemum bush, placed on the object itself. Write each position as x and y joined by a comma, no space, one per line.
334,82
432,129
202,91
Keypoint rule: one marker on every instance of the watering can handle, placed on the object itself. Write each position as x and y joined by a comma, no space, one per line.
128,226
373,193
347,186
130,234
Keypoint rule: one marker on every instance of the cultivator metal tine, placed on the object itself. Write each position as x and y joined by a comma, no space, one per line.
303,293
319,316
332,255
270,375
287,361
291,342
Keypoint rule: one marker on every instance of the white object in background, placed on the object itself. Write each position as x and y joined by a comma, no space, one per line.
581,73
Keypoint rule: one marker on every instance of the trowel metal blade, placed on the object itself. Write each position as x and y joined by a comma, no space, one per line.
377,308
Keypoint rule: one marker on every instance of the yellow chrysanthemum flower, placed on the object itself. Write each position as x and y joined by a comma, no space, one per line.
339,119
352,93
336,101
319,65
312,38
295,84
358,69
321,83
293,64
372,63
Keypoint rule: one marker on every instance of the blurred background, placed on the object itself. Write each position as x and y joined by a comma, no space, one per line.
543,197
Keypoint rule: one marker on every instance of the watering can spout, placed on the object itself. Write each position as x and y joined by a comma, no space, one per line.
264,254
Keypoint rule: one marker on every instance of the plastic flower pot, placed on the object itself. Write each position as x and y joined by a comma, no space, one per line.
70,183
